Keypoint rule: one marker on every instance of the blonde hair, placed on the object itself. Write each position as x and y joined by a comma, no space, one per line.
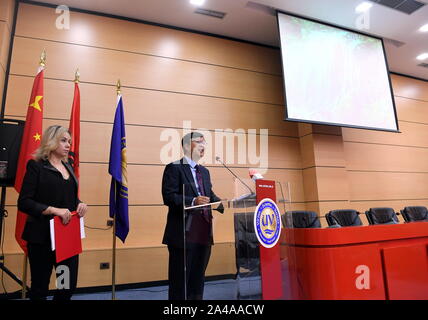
50,142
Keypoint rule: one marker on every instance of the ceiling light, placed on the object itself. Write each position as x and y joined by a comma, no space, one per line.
363,7
424,28
197,2
422,56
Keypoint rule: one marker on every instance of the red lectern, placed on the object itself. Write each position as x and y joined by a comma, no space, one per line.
269,257
257,264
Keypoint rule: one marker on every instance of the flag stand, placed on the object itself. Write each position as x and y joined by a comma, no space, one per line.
3,213
113,280
24,278
113,270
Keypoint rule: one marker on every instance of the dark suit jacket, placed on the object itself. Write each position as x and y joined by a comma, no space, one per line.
174,176
41,188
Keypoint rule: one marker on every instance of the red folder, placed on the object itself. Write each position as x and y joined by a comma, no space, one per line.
68,242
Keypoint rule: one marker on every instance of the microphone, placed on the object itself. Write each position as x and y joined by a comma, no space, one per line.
218,159
254,174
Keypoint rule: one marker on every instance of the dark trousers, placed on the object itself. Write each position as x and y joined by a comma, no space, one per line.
197,257
42,260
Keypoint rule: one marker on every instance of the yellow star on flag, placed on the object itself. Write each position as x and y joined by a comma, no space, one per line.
37,137
35,104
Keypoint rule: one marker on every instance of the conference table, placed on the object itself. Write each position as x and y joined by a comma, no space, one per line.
362,262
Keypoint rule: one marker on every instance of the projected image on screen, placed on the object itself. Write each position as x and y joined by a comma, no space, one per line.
334,76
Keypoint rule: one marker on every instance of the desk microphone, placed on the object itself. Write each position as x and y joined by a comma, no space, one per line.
218,159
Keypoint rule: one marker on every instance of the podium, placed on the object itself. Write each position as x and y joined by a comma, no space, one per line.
376,262
256,271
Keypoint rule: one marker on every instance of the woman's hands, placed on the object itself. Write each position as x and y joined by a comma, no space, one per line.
81,209
65,214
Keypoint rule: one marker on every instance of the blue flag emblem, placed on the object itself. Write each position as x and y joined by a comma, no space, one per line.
119,178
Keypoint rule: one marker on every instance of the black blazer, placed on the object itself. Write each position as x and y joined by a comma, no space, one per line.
41,188
174,176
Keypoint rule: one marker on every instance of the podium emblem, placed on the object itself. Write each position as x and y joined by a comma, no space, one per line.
267,223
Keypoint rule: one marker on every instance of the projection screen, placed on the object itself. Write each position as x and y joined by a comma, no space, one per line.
335,76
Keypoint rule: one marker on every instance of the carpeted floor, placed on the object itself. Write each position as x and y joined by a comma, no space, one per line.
247,288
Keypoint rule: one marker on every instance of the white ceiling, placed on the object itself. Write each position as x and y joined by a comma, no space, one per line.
258,25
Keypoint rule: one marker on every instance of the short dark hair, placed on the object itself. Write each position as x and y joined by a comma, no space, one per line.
188,137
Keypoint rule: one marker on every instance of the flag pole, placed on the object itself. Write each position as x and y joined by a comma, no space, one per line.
77,76
42,64
24,278
113,292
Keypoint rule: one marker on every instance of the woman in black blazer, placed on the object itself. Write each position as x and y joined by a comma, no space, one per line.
49,189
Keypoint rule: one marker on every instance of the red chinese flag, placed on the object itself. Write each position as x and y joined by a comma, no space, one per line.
74,128
30,142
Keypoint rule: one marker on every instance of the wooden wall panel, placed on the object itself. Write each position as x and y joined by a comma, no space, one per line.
310,185
4,45
332,184
2,81
144,146
411,134
148,107
106,66
307,151
7,8
147,39
328,150
375,157
328,184
325,206
409,88
134,265
369,186
95,183
411,110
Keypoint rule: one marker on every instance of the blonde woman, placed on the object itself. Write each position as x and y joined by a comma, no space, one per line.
49,189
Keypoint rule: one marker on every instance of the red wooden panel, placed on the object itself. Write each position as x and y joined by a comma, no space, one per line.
406,268
346,272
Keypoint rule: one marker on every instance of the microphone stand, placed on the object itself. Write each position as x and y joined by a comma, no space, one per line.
218,159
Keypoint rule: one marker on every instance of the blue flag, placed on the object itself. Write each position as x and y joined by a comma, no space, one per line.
117,170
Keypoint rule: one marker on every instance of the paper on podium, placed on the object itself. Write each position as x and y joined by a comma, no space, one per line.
66,239
202,205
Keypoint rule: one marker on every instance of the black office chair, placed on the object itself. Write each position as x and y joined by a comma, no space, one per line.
343,218
381,216
414,213
301,219
247,254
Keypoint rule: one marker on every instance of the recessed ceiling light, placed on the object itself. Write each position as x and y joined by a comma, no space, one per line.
197,2
424,28
363,7
422,56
